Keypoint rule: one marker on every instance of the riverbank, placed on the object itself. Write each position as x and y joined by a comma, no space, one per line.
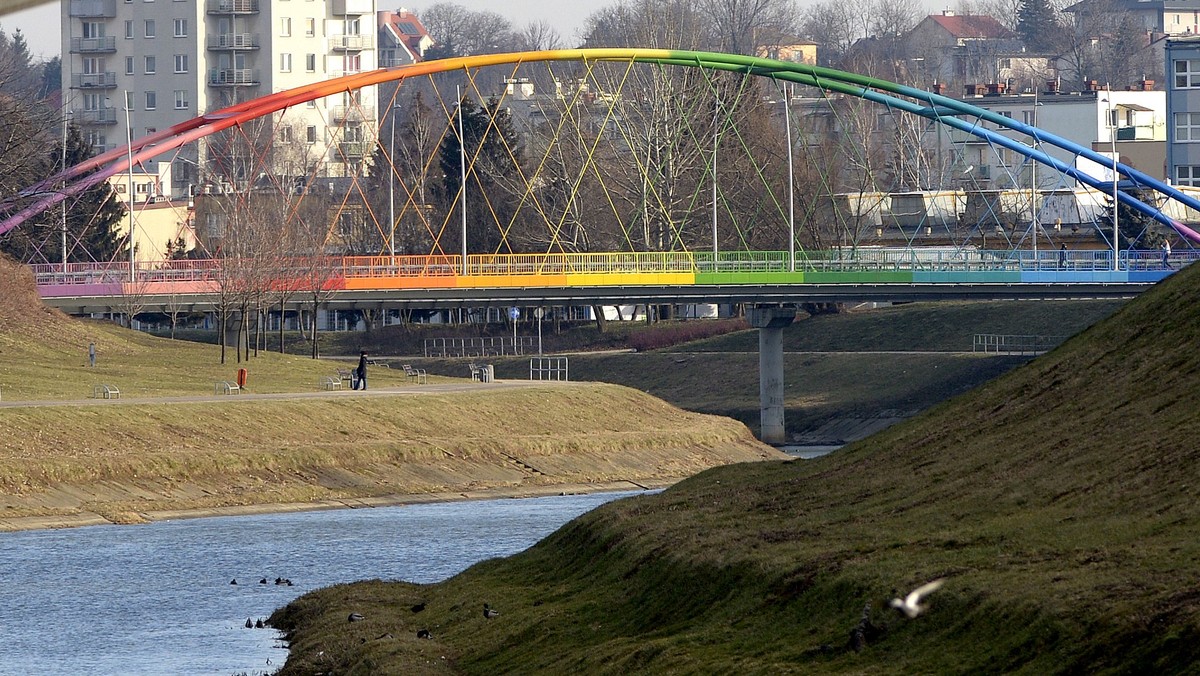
64,464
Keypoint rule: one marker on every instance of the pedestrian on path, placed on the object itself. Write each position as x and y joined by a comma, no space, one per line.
360,373
1166,253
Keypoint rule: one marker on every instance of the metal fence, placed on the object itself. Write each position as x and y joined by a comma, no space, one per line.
549,368
1009,344
478,347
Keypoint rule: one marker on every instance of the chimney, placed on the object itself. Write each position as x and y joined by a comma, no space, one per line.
939,88
1051,86
995,88
1146,85
947,12
972,90
1091,86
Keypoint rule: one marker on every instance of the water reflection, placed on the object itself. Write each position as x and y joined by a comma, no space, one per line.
157,598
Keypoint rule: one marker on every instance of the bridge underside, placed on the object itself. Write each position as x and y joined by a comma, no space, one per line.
431,299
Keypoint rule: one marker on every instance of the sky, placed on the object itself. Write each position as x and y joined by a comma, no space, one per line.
41,26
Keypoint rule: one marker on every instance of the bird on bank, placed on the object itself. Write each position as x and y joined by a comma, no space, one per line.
418,607
249,624
424,633
911,604
489,613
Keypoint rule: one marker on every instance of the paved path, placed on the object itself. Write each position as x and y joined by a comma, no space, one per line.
432,388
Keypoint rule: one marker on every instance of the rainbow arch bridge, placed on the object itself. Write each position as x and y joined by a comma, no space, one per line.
613,109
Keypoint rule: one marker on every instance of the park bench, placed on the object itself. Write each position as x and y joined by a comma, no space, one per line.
226,387
103,391
346,375
481,372
331,383
376,362
416,374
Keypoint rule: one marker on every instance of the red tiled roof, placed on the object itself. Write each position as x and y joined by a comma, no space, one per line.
972,26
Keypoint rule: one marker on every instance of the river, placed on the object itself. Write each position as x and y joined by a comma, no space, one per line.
159,598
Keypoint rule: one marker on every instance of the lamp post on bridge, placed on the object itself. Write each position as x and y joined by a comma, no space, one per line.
462,161
392,182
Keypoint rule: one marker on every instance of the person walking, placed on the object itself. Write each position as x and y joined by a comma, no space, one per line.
360,373
1166,253
1062,257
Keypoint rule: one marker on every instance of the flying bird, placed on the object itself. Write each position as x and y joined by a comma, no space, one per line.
911,605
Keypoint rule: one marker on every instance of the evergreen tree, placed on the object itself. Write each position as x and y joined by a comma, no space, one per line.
1135,230
1038,25
492,144
91,218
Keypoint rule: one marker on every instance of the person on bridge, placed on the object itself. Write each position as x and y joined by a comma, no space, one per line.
1166,253
360,373
1062,257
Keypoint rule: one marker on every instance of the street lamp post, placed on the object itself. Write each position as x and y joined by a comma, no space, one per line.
392,183
1112,135
462,162
787,127
716,137
63,168
129,157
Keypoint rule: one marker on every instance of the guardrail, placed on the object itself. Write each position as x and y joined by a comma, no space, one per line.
1014,344
478,346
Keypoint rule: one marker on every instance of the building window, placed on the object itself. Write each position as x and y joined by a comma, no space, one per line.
181,28
285,27
285,135
1187,127
1188,175
149,28
151,65
1187,74
181,63
310,63
129,65
129,30
151,100
310,27
181,99
285,63
310,134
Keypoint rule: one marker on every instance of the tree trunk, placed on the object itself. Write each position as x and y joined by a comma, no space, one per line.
598,314
316,353
222,317
282,322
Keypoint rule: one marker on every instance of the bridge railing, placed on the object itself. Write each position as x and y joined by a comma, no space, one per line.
862,259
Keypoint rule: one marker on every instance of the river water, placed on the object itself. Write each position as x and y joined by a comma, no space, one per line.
158,599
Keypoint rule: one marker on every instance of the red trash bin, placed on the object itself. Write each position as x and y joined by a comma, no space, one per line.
241,379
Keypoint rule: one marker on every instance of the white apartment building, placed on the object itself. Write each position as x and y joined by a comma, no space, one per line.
139,66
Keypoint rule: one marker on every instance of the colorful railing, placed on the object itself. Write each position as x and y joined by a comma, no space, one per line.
861,266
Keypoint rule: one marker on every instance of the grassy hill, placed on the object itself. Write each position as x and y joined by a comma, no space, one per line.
1060,502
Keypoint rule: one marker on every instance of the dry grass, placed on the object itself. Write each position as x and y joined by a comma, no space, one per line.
1059,502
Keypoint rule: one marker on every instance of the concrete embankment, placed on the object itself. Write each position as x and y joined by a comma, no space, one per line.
68,465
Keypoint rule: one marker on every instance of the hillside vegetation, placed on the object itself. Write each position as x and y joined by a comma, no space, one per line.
1059,502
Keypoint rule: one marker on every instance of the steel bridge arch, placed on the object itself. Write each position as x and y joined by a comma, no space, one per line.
938,108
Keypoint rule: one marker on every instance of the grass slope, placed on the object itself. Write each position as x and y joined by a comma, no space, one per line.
1060,502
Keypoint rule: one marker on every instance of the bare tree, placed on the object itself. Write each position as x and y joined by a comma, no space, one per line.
741,26
537,36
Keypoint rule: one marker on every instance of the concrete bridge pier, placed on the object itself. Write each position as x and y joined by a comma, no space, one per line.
770,322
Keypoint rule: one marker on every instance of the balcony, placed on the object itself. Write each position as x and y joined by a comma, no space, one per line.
232,7
232,77
351,7
242,41
104,45
352,114
93,9
343,73
94,80
351,43
352,150
97,116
